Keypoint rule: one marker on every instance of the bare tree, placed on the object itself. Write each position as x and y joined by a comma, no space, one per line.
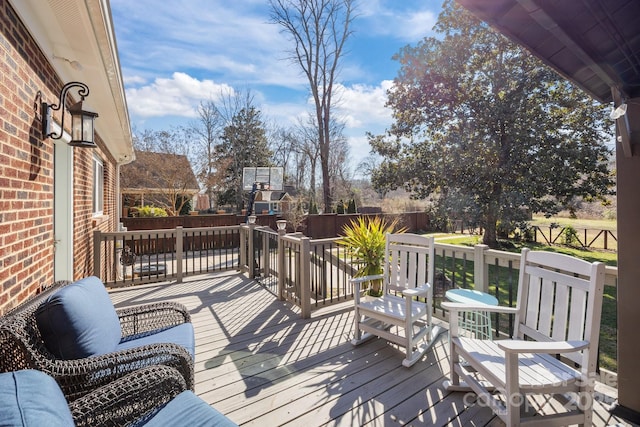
341,176
206,131
161,173
318,30
309,153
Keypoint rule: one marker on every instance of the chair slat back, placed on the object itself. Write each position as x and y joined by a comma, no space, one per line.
560,299
410,261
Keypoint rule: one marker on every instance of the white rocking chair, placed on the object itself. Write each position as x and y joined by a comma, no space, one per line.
402,314
557,314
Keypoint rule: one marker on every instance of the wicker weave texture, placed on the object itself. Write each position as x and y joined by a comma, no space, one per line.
130,400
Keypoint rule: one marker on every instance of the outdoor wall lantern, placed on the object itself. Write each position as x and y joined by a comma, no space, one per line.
82,132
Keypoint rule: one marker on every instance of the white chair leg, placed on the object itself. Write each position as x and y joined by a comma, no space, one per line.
357,334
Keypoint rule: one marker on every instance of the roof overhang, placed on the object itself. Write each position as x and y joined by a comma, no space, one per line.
593,43
82,31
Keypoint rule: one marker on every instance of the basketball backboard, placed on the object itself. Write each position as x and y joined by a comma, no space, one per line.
269,178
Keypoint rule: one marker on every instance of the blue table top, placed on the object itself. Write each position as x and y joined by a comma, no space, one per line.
469,296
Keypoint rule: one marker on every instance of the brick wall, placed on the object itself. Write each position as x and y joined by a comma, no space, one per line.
26,166
26,172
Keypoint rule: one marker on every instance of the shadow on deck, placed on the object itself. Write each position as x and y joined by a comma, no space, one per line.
259,363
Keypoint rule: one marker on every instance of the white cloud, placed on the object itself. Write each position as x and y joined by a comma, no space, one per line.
179,95
175,56
409,20
134,80
228,41
363,107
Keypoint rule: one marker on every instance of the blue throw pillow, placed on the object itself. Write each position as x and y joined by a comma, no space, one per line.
79,321
32,398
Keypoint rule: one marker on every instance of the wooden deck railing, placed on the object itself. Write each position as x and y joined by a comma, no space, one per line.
310,273
135,257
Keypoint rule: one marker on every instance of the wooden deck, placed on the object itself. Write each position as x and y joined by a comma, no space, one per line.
261,365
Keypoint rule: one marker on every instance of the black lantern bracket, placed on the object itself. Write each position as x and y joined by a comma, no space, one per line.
82,126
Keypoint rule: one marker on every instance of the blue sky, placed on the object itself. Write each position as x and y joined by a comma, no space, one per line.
175,54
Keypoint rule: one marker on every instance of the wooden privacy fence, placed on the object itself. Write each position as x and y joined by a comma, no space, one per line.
314,226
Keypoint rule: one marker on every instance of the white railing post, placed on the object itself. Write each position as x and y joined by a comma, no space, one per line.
179,253
305,277
480,269
281,259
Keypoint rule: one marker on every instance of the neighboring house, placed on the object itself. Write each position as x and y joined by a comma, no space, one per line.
272,202
54,196
158,179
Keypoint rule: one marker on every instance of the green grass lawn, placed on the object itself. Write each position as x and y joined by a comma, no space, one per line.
608,330
601,224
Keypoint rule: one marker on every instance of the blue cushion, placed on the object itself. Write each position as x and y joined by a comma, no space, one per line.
79,321
32,398
187,409
181,334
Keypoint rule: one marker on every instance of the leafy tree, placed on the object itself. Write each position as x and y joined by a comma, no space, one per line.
243,144
319,30
351,207
477,117
184,206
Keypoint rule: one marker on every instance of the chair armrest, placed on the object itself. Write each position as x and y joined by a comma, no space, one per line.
359,280
81,376
457,306
551,347
417,291
151,317
129,399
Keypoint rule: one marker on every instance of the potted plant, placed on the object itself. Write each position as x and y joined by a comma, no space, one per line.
365,240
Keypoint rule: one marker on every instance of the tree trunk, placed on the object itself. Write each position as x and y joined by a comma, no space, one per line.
489,237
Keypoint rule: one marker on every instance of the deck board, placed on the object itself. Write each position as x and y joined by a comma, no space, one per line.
260,364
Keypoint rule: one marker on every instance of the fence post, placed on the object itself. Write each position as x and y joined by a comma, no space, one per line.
305,277
243,248
97,239
480,270
251,254
179,253
281,259
265,255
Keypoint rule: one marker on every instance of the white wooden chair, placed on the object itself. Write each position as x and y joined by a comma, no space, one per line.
402,314
557,320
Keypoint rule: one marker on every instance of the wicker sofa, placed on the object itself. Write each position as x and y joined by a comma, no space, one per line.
49,333
151,396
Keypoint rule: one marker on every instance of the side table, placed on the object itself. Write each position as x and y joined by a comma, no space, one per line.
476,323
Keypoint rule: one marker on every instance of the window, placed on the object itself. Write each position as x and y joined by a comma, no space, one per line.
98,186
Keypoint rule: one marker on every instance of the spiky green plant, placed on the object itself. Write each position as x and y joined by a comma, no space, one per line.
364,239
